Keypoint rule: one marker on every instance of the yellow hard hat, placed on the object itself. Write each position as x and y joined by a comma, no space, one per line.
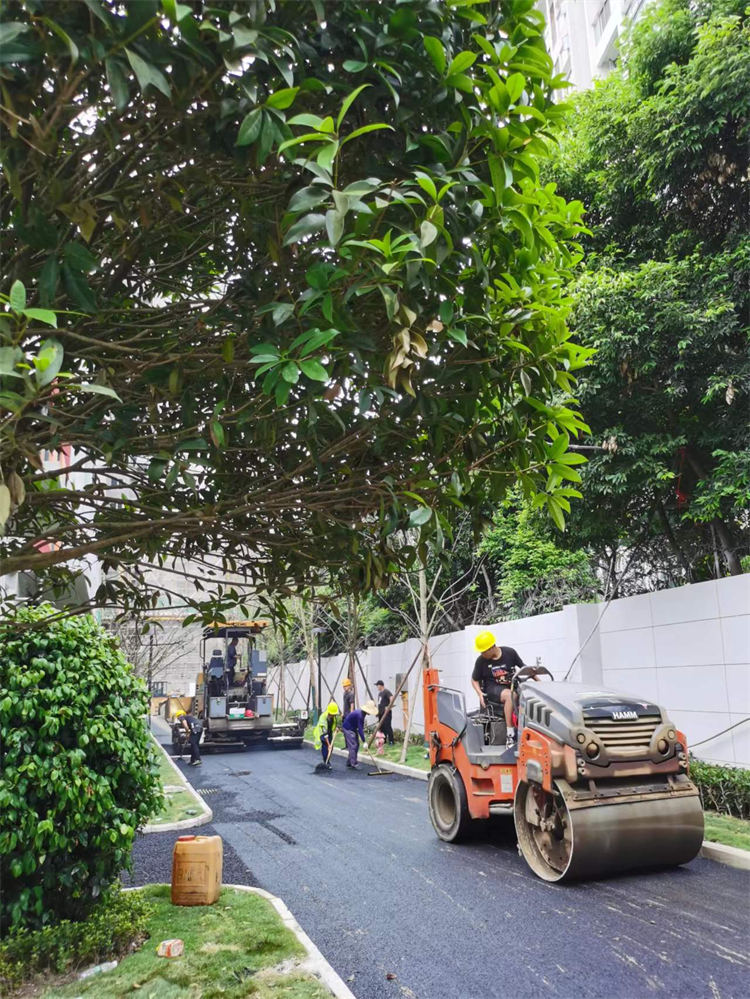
484,640
346,682
333,709
180,713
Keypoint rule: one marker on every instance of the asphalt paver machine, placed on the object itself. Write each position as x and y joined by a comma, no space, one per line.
597,784
235,706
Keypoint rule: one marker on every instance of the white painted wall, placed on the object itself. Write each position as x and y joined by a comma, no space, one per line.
687,648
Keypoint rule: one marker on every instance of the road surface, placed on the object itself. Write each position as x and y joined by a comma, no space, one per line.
356,860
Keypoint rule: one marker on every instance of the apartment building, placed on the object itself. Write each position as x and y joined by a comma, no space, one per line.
583,35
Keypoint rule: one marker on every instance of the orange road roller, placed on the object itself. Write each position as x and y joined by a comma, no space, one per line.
597,783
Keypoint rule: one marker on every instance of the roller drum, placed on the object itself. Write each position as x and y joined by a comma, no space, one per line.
562,838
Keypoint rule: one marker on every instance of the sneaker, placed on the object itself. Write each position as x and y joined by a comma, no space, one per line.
196,763
510,739
328,766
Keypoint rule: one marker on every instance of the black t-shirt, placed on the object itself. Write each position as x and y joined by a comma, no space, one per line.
495,675
384,699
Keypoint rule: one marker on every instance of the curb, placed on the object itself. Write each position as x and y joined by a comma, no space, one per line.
729,855
396,768
315,962
197,820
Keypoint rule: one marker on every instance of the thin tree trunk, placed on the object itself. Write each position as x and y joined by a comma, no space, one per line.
673,540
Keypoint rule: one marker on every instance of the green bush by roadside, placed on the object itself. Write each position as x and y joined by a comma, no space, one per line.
79,771
725,790
116,922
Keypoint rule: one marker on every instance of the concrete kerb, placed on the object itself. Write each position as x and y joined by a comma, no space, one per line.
315,963
197,820
729,855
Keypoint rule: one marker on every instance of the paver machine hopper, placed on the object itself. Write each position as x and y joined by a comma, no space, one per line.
597,784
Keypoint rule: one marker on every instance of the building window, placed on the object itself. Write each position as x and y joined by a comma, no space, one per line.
158,689
602,19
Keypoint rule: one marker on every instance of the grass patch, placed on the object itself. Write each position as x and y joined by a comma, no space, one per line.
414,754
236,948
178,805
727,830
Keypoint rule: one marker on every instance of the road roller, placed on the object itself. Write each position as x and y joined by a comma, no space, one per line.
597,782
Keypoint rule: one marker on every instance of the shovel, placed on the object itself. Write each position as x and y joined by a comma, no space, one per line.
320,767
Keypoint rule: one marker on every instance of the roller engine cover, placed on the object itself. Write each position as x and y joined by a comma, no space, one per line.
574,714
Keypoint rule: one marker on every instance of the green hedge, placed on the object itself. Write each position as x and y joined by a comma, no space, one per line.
79,772
115,924
723,789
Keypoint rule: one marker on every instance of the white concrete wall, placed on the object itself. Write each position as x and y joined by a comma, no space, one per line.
687,649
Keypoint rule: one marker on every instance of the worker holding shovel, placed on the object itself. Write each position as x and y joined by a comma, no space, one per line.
324,734
354,731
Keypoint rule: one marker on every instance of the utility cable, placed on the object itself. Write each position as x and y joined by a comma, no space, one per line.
712,737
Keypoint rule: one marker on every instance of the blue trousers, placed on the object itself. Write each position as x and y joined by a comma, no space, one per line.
352,744
324,745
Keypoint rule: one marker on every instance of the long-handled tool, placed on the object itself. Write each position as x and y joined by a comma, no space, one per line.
320,767
378,772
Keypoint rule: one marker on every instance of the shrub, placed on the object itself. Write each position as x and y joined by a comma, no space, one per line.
724,789
118,920
79,772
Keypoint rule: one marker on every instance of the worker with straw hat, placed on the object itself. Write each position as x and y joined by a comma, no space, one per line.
324,732
354,731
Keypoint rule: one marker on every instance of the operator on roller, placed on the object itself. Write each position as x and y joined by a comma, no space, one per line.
492,676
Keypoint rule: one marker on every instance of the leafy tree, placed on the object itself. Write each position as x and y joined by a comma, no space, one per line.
283,277
79,774
659,154
534,574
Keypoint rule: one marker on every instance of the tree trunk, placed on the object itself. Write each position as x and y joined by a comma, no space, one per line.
728,547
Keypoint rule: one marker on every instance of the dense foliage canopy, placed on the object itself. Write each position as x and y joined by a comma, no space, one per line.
307,284
659,154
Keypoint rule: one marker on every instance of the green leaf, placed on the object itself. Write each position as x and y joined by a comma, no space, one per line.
17,296
427,234
307,197
420,516
250,127
458,335
98,390
335,225
78,289
515,84
354,65
48,278
314,369
57,30
461,62
305,226
4,514
10,30
42,316
118,84
436,52
48,362
79,257
308,120
290,372
146,74
347,103
283,98
375,127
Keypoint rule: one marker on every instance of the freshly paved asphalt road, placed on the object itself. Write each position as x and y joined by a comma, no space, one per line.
356,860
